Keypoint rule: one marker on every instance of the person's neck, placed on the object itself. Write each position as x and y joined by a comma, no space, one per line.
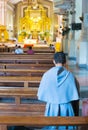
59,64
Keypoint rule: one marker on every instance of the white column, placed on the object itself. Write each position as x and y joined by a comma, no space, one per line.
78,8
65,37
3,11
83,44
71,44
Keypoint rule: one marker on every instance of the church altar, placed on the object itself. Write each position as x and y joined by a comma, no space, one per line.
29,42
35,24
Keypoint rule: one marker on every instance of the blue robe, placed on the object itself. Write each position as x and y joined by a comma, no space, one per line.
19,51
58,92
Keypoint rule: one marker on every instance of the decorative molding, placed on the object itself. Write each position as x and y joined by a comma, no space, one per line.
48,7
22,10
10,7
24,6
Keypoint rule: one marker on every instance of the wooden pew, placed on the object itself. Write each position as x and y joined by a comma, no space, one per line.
24,91
22,72
13,82
21,100
25,66
41,121
23,60
39,55
16,101
41,50
18,94
35,49
13,91
20,56
26,80
45,48
36,53
18,108
36,58
31,107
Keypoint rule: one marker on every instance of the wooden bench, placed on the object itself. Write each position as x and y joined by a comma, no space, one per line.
19,108
36,49
18,93
8,55
25,66
18,97
44,121
24,101
23,60
21,101
26,80
41,121
22,72
41,49
36,53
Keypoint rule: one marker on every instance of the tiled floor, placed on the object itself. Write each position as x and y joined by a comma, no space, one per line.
82,76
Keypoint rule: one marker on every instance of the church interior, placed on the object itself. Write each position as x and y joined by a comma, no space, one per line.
28,22
33,22
48,26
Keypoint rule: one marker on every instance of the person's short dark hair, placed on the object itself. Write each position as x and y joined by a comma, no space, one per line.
60,57
16,45
19,46
30,47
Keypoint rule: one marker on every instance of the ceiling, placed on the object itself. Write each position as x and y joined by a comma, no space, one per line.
16,1
60,6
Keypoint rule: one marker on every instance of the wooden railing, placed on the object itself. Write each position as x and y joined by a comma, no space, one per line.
26,80
22,72
25,66
41,121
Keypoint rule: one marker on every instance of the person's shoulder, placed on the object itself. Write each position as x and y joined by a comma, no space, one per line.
66,71
20,49
71,75
49,71
16,50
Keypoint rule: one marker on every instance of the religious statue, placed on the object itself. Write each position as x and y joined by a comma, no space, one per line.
3,34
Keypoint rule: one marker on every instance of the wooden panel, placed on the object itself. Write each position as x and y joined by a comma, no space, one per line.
42,121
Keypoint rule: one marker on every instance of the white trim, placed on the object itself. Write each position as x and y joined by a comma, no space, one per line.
22,7
48,9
